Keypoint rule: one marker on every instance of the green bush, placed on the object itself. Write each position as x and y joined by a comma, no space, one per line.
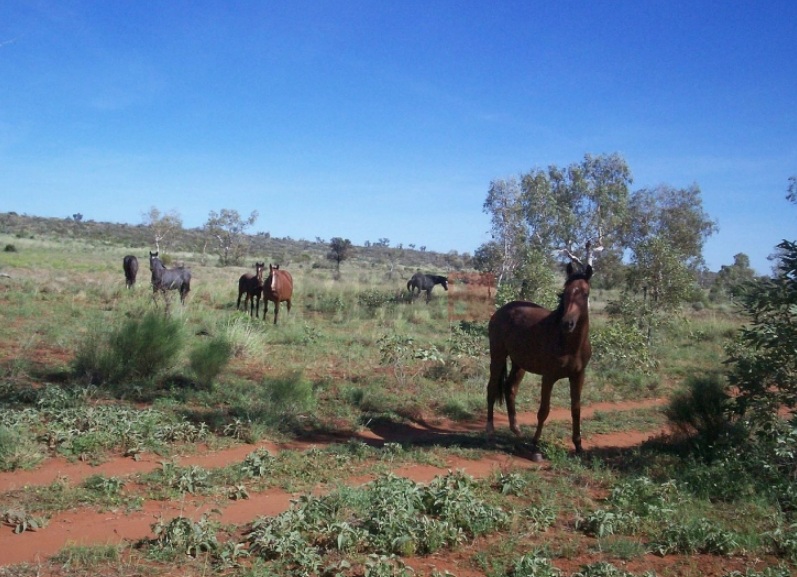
702,409
138,350
209,359
17,450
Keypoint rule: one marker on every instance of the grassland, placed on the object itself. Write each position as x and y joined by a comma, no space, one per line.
344,407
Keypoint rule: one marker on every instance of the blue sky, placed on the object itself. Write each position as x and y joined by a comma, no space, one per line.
388,119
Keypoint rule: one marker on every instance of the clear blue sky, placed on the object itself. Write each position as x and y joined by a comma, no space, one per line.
388,119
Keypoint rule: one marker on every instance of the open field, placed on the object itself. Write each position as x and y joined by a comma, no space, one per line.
347,440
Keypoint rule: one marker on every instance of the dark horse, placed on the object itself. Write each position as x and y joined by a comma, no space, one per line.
130,265
164,279
554,344
277,288
425,282
251,285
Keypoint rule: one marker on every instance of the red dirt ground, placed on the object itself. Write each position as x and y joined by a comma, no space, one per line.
88,527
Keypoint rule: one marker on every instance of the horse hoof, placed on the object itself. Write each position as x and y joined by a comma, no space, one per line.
536,457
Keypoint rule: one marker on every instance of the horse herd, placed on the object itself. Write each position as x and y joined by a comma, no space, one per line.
551,343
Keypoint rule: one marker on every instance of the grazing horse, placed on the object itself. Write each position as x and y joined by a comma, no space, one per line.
277,288
425,282
164,279
554,344
130,266
251,285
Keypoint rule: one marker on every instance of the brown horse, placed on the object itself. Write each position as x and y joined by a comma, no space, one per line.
251,285
554,344
277,288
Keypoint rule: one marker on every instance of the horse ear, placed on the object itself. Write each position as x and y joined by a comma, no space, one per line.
588,272
569,269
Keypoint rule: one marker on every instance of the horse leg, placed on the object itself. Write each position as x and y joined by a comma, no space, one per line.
576,384
545,407
276,311
265,308
494,386
238,304
510,391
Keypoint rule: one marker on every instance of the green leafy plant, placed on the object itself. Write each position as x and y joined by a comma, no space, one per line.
183,534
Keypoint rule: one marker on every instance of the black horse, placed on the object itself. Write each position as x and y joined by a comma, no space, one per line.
251,287
425,282
130,265
164,279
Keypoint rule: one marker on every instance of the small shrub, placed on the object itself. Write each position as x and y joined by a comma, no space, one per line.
534,565
209,359
10,248
291,393
138,350
183,534
18,450
702,409
696,536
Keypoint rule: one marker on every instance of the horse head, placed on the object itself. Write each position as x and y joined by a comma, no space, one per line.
154,261
259,267
575,298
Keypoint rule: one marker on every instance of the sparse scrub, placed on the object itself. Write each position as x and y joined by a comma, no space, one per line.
209,359
135,352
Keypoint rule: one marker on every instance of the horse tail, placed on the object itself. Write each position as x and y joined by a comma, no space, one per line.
409,284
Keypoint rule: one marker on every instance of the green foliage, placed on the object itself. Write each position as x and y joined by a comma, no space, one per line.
69,422
784,541
138,350
390,516
701,409
186,536
184,479
534,565
731,280
763,361
290,394
258,463
209,359
18,448
106,486
606,569
658,271
373,299
694,536
400,352
622,346
340,249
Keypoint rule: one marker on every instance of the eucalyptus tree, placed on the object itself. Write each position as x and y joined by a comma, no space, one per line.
508,228
675,216
565,207
162,224
551,213
228,229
